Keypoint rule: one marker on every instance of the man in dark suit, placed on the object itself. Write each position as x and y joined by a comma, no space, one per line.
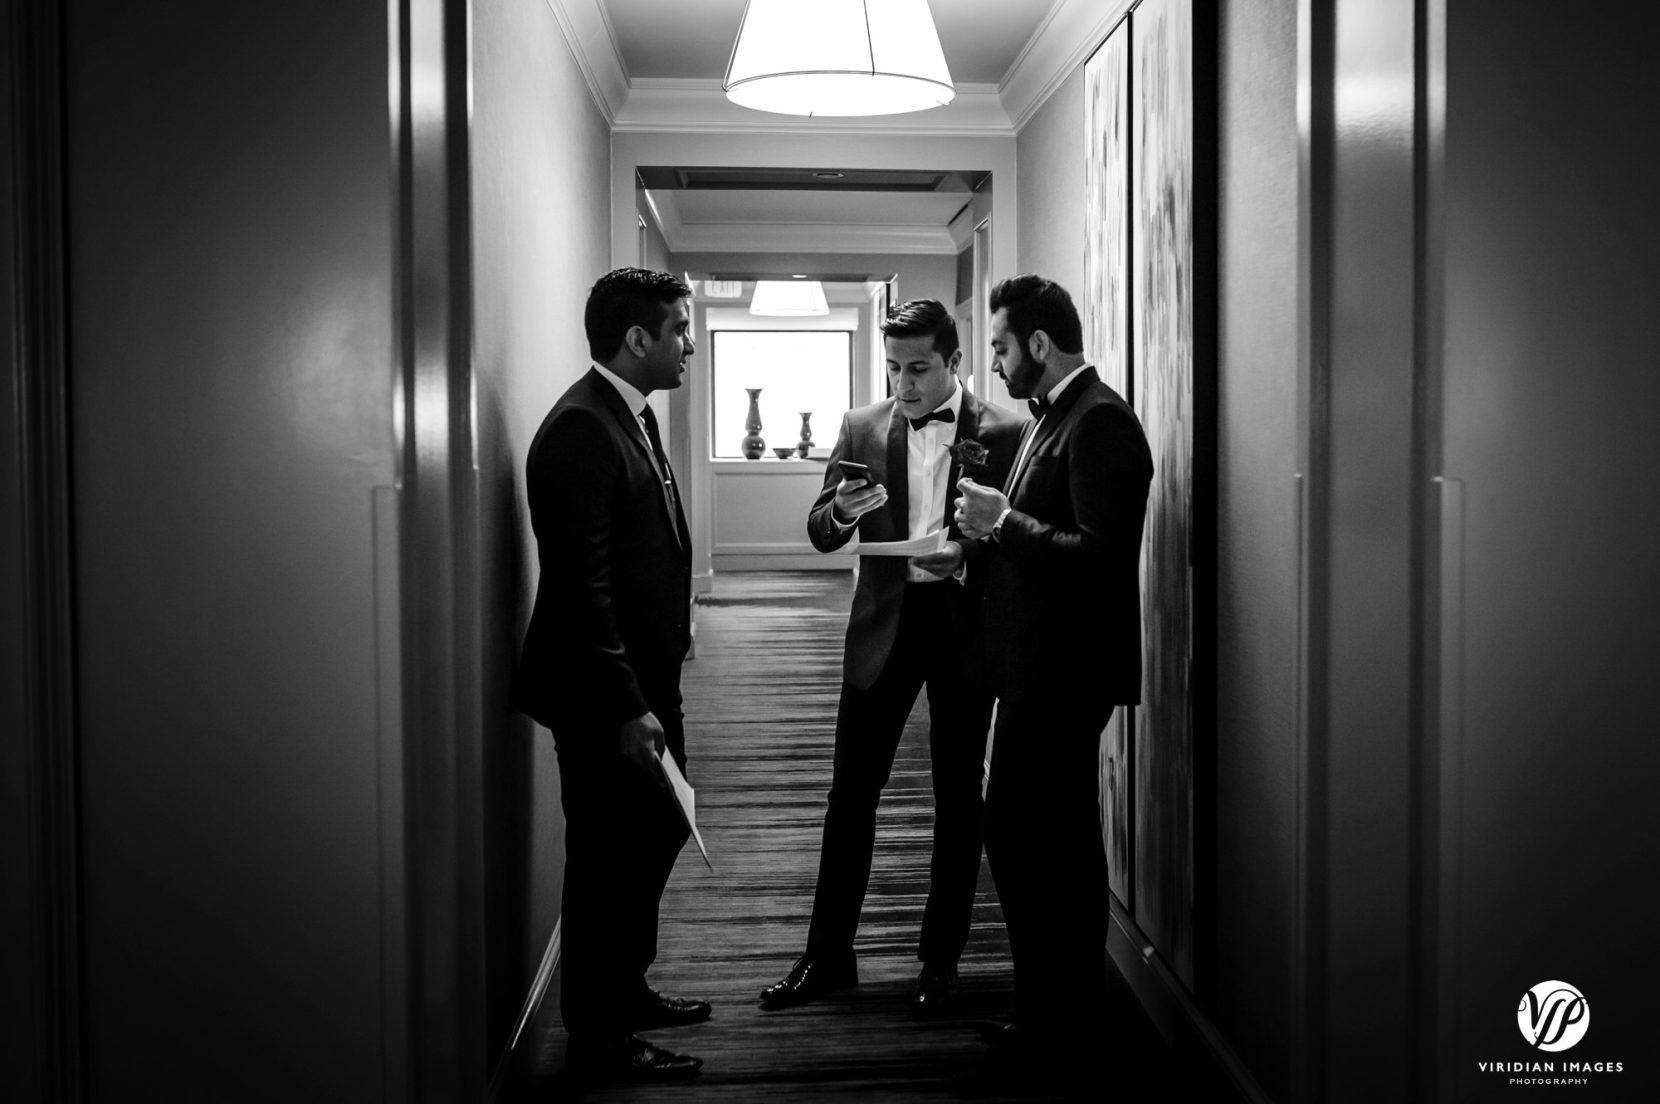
913,624
601,662
1060,555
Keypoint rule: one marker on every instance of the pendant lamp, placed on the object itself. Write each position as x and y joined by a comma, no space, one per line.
838,57
789,299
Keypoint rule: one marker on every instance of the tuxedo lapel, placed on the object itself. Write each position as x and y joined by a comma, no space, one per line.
899,476
968,424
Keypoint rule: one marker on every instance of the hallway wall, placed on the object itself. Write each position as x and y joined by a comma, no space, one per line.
541,237
1248,998
231,224
1548,398
1049,173
1257,534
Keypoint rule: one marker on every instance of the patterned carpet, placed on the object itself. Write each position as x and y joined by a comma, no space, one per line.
760,704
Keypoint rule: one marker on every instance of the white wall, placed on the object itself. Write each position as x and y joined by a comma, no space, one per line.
541,201
1050,159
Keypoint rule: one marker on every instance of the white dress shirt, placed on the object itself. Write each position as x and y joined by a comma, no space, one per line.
927,470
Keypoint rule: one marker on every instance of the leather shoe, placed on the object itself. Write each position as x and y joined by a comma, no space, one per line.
1001,1037
936,989
628,1058
809,979
660,1011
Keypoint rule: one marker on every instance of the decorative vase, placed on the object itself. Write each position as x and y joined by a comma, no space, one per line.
806,435
753,443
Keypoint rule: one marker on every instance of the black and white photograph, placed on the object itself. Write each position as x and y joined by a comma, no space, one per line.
829,552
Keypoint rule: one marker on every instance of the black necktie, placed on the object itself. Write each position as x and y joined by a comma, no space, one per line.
1038,407
649,416
936,416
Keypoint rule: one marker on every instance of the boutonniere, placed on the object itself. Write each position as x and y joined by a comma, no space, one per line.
969,454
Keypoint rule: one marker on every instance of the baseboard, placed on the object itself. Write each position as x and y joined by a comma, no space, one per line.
533,1005
1187,1029
817,561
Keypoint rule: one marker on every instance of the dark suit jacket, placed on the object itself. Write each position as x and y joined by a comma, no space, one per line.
611,624
1063,599
875,435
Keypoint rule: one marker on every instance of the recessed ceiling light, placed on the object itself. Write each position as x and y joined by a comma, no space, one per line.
827,175
798,275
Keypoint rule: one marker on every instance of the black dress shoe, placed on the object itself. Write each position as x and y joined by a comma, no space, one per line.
660,1011
936,989
1001,1036
809,979
626,1058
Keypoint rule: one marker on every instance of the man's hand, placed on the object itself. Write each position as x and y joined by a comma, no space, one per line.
979,508
855,497
641,741
945,563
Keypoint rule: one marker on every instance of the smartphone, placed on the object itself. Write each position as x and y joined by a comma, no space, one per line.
852,470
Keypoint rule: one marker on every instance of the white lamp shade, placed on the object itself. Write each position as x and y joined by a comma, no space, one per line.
789,299
838,57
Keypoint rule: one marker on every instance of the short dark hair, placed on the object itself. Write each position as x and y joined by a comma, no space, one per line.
624,298
1032,304
923,318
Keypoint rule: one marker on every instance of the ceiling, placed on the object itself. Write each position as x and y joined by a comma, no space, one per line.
692,39
657,65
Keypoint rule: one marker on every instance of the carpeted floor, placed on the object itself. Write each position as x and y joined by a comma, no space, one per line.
760,704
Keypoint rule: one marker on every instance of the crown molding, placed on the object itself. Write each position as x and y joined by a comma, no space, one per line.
1065,39
1068,35
588,33
658,104
802,237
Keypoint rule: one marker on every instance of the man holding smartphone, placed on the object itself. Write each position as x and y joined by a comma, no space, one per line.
913,624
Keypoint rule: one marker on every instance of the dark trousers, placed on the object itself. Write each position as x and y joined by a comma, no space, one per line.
622,835
1049,862
929,651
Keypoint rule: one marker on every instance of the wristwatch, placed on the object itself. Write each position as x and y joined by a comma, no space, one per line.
997,526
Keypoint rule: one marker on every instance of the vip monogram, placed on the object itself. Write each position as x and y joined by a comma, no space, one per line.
1553,1015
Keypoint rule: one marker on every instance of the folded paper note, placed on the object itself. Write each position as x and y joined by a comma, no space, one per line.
921,546
683,797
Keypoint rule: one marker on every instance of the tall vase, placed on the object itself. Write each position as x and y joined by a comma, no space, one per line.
806,442
753,444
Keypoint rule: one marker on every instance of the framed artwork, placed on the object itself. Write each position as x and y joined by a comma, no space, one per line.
1107,345
1149,325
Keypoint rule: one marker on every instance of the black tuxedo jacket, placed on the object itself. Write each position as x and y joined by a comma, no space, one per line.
875,435
611,623
1063,599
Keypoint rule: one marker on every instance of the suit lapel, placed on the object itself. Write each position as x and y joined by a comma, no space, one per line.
633,431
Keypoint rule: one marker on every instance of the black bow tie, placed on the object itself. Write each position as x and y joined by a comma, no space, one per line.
1039,407
936,416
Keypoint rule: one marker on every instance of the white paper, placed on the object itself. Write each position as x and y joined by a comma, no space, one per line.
921,546
684,797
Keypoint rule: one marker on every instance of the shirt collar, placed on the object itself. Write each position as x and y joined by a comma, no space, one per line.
1059,389
632,397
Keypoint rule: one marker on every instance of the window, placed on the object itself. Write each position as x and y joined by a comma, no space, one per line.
797,371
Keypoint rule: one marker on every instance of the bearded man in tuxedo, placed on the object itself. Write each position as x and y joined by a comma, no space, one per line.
1059,548
913,624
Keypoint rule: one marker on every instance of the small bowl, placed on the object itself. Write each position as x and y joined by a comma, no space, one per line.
783,453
